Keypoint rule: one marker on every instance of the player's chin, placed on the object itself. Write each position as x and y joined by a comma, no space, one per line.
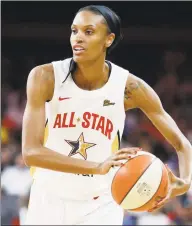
79,58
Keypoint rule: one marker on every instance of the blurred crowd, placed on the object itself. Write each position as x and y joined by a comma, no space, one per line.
173,84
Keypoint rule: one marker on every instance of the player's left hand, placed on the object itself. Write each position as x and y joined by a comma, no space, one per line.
177,186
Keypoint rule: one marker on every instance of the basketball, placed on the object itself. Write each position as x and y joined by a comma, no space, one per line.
140,182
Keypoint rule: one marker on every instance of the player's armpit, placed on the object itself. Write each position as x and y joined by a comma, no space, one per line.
131,86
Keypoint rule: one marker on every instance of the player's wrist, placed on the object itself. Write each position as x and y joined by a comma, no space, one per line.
97,169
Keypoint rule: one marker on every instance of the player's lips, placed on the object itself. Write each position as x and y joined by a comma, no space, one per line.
78,49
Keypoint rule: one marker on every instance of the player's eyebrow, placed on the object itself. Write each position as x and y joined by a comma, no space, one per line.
89,25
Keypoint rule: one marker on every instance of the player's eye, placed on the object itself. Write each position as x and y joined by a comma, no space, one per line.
74,31
89,32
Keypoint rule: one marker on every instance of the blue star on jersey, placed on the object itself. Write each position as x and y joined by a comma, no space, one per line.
79,146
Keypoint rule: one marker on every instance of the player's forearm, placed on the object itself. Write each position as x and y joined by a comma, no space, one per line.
185,161
168,128
45,158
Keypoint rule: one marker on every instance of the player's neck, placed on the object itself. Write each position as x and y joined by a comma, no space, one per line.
92,75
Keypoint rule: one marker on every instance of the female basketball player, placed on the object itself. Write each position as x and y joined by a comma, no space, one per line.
83,101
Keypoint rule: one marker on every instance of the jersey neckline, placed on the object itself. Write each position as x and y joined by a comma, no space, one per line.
99,89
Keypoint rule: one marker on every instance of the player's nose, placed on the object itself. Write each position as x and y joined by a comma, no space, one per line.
78,39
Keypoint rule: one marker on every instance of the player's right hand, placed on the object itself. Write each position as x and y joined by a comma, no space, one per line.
114,160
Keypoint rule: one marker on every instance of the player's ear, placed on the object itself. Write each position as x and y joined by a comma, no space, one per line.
109,40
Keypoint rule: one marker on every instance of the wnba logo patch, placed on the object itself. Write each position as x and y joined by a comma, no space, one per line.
107,103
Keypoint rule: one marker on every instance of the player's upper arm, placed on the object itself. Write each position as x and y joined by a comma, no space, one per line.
40,87
142,96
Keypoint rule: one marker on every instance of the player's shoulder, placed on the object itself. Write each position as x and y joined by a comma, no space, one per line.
40,82
48,68
42,75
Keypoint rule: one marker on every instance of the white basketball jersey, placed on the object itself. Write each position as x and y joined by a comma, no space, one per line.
83,124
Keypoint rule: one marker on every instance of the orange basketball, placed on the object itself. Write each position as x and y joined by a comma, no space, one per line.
140,182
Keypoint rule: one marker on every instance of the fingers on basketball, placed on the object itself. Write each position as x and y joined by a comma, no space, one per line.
121,157
159,205
132,151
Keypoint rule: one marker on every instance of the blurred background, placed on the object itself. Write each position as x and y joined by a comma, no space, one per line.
157,47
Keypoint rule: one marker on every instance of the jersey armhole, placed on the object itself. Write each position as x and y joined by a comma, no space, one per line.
59,75
55,81
126,76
